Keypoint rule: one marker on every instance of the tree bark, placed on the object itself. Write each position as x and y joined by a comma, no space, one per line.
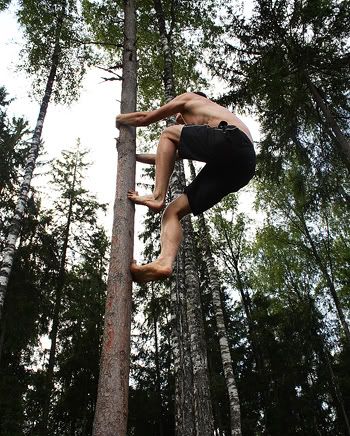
203,416
184,409
15,226
215,288
112,401
156,358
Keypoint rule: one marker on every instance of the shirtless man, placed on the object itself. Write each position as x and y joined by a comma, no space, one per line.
205,132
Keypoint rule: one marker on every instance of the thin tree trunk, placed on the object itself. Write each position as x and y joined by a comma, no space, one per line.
328,280
203,418
57,311
156,358
184,409
343,143
235,415
112,401
215,288
201,393
254,340
16,222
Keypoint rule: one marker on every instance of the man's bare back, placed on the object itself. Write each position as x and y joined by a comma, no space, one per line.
200,110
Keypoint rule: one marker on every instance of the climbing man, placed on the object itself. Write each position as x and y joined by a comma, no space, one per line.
205,132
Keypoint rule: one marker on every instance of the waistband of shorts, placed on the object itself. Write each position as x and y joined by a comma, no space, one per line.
223,126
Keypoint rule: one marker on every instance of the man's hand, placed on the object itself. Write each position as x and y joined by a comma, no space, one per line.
119,120
136,119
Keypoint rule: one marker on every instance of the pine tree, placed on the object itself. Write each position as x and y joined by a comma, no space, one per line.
112,401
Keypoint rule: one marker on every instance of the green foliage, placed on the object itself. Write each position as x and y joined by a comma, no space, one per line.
4,4
48,25
269,61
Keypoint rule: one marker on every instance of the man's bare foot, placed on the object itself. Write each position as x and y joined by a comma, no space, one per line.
152,203
150,272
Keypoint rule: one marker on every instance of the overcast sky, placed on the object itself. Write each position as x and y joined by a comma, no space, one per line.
91,118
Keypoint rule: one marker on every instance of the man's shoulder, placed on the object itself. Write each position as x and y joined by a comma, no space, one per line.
189,96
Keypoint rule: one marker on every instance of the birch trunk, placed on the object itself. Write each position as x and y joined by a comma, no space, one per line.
233,266
203,417
112,400
343,142
184,409
215,288
156,358
15,226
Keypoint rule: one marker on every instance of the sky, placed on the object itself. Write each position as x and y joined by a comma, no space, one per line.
91,119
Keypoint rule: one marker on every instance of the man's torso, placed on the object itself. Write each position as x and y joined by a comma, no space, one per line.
200,110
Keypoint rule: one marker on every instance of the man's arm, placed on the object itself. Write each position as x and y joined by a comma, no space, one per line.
139,119
150,158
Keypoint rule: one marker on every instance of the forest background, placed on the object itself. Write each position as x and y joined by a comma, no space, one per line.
282,268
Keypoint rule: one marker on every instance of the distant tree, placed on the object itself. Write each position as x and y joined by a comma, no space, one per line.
26,315
74,221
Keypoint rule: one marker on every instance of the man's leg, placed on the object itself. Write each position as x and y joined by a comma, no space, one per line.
170,239
165,160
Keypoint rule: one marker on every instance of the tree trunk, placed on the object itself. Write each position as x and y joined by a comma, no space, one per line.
184,411
156,358
203,417
215,288
328,280
112,401
343,143
252,332
15,226
235,415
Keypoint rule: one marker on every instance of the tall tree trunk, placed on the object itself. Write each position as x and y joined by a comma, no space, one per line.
215,288
342,142
15,226
233,266
112,401
156,358
201,394
57,311
184,390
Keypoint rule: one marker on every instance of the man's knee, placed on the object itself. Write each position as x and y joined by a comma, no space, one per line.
179,207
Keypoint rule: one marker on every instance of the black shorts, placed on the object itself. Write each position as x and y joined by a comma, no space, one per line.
230,163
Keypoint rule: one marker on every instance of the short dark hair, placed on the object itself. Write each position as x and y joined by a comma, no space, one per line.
200,93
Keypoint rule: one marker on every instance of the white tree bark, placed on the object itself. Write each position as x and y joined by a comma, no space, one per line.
215,288
15,227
